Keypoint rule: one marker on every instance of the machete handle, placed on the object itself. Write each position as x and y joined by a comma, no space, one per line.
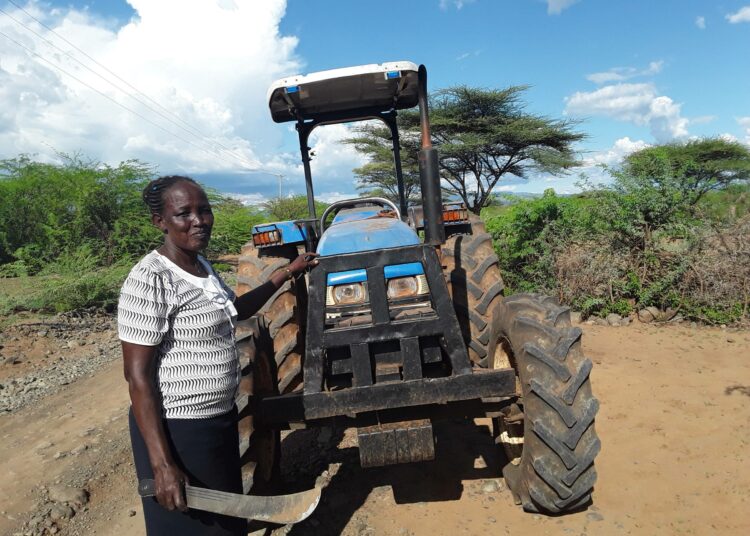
147,487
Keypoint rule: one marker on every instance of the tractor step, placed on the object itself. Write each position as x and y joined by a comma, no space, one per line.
392,443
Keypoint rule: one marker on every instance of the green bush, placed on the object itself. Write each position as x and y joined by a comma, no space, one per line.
528,234
58,293
49,210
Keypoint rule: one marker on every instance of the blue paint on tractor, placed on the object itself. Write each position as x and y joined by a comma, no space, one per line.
357,213
366,235
290,233
390,272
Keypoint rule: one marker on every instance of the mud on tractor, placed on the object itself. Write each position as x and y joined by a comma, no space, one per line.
404,321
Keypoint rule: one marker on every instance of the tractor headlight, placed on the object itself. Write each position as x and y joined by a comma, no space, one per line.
407,287
350,294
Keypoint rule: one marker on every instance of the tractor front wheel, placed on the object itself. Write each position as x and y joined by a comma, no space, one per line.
548,436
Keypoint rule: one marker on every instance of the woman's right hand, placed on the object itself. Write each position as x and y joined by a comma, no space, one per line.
303,262
170,487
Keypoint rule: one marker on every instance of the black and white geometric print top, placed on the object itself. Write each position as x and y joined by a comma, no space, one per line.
191,321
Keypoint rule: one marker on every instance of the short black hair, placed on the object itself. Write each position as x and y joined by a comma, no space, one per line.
153,193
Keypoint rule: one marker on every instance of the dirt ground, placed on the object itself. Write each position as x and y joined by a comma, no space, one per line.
675,408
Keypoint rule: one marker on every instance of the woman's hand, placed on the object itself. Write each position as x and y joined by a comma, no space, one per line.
303,262
170,487
250,303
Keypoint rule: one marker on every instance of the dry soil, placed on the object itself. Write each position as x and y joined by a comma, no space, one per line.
674,425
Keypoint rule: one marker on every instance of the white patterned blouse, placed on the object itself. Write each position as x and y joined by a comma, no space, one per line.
191,322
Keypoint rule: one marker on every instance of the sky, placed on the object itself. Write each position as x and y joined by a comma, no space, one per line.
182,84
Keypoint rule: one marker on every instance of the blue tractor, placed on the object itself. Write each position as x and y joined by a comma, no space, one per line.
404,321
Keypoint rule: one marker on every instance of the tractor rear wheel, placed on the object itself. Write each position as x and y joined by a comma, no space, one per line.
282,314
260,447
475,285
550,430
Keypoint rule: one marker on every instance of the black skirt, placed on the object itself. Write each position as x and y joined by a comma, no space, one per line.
207,450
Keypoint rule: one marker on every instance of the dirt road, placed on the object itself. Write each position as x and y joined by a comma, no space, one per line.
675,408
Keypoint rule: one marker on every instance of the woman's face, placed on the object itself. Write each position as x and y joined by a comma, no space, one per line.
186,218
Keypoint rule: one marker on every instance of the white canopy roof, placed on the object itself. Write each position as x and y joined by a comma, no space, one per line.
347,91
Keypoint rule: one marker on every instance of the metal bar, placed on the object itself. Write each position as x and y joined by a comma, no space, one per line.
412,368
444,307
377,292
303,131
314,353
407,394
393,125
429,173
361,366
490,407
424,115
382,332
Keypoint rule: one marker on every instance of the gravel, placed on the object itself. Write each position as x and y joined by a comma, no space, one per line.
68,361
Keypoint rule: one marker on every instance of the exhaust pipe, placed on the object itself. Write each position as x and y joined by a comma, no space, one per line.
429,172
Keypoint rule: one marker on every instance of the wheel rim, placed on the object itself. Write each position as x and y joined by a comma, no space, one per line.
508,429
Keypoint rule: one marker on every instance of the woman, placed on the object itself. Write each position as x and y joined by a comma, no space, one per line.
176,323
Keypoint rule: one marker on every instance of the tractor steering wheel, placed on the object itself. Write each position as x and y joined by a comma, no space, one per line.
334,208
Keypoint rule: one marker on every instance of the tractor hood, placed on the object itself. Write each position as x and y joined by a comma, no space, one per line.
366,235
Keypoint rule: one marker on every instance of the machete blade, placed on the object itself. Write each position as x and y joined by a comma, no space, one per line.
282,509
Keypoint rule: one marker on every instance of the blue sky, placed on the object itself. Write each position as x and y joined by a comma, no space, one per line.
636,72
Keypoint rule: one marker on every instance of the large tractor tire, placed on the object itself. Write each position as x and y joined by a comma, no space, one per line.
552,424
260,447
475,285
283,313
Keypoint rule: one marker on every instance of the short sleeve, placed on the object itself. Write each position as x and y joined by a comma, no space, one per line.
144,307
230,293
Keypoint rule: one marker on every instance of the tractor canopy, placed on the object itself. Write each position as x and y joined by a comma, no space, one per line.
349,93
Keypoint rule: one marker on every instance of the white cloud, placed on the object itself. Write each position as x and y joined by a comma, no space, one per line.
465,55
458,4
634,103
620,74
700,22
208,63
744,122
702,119
505,188
333,159
249,199
555,7
743,15
612,156
332,197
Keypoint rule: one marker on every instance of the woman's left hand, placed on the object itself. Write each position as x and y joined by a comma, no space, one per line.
303,262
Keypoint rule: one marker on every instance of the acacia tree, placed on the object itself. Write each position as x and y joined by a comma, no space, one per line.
482,136
665,180
660,186
378,175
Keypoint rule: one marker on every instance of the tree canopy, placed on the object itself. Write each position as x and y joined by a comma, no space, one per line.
482,136
662,181
378,175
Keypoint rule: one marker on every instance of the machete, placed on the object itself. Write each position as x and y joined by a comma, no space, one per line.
281,509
